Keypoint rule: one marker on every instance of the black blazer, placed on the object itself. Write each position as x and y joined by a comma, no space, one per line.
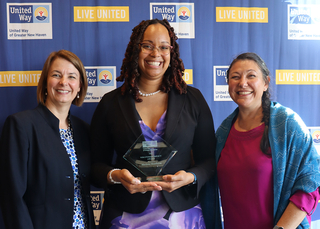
189,127
37,177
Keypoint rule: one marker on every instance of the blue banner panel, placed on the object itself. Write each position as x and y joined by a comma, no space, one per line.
285,33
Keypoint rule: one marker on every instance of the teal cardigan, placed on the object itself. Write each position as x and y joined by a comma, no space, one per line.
295,163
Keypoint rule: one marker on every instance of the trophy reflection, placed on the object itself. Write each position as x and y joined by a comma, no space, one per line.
150,157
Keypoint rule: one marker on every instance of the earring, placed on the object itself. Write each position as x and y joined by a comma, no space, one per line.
78,96
45,93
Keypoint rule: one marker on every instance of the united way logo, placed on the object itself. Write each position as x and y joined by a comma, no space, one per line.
105,77
184,13
316,136
300,15
20,13
41,14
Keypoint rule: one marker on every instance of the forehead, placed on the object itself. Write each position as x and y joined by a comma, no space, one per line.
62,64
156,32
245,65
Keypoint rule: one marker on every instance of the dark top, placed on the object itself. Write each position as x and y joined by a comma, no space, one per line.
189,128
37,183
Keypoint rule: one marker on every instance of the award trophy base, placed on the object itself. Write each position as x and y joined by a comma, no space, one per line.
150,178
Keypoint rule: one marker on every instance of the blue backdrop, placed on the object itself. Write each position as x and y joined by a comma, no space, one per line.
286,34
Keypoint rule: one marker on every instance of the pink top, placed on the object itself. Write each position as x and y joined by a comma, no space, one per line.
246,183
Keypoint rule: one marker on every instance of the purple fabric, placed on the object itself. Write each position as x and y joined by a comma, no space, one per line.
160,128
306,202
245,181
152,217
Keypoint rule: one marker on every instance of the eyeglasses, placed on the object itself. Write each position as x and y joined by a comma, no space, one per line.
149,48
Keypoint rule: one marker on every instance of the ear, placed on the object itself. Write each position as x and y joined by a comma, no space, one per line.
266,85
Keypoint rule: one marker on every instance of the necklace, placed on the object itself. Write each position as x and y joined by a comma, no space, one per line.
148,94
69,129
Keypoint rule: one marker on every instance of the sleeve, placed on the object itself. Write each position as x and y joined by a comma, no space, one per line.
295,159
304,157
203,146
14,152
306,202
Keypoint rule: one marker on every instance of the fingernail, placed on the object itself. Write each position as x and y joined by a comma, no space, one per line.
136,181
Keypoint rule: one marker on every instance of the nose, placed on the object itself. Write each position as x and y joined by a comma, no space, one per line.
155,52
63,80
243,82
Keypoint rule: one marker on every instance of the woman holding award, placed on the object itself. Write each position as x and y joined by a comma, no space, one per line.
153,101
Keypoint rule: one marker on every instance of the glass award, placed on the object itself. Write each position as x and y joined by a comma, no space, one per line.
150,157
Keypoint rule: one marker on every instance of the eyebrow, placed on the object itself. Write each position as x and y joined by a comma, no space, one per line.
152,41
249,70
71,73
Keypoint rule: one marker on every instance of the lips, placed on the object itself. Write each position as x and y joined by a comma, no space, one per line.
62,91
244,92
153,63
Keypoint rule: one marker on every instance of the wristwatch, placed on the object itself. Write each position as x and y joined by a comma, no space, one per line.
277,227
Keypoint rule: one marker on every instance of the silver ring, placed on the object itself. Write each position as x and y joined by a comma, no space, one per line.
143,192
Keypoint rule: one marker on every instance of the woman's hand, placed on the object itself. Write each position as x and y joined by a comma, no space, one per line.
178,180
132,184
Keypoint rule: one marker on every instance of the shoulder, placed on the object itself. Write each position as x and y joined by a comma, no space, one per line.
110,95
110,101
192,91
279,112
194,98
226,124
282,117
24,117
193,95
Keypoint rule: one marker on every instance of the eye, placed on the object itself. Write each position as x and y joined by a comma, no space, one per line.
56,75
235,77
252,76
147,46
72,76
164,47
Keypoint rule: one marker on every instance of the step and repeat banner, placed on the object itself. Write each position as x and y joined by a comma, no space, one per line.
285,33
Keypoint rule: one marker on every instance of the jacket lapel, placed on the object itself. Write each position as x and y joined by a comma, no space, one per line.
127,106
175,104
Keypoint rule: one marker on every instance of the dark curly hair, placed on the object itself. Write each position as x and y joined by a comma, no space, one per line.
130,68
264,144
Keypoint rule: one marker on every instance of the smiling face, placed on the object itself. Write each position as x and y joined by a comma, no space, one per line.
247,84
63,83
152,66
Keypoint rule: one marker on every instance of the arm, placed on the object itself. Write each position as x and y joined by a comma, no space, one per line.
202,144
14,145
291,217
297,168
108,132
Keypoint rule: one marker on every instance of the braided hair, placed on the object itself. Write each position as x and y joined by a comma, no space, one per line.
264,144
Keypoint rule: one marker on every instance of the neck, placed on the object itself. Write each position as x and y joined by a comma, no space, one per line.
148,86
61,113
249,120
